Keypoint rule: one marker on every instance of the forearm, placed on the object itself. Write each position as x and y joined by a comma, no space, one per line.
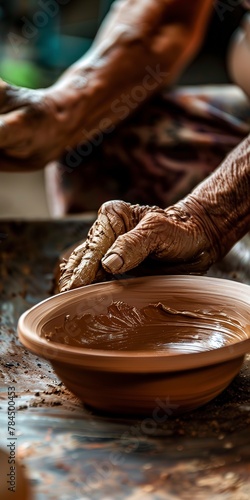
223,199
141,46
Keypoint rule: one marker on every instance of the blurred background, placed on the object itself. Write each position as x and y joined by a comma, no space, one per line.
40,38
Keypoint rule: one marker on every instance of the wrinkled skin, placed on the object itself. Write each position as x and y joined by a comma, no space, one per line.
189,236
124,235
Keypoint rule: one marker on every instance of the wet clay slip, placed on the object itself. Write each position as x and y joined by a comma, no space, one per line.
156,328
121,346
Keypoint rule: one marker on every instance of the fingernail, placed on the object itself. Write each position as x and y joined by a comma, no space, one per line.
113,262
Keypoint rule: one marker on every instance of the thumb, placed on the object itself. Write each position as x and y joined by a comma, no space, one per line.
129,250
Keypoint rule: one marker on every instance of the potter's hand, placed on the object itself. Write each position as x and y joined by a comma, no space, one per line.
35,127
124,235
190,235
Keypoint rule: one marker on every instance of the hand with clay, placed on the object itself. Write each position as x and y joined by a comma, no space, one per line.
124,235
189,236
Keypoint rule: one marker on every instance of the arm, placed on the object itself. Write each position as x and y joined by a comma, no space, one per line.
224,199
189,236
143,43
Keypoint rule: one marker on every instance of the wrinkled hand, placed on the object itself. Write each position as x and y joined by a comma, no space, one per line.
124,235
35,127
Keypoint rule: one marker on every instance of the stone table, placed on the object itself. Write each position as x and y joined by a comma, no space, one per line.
71,453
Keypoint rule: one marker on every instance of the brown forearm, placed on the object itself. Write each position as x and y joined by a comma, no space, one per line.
223,199
141,46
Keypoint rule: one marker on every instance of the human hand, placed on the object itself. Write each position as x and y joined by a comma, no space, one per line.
35,127
124,235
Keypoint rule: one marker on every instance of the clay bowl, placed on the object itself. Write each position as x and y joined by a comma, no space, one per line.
120,354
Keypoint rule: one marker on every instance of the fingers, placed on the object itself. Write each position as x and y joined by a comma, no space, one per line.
171,243
71,269
130,249
114,218
124,235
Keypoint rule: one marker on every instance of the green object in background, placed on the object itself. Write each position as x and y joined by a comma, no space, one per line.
22,73
50,52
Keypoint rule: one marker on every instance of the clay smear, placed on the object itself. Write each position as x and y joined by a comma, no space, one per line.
155,327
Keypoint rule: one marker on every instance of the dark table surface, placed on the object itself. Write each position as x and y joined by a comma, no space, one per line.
71,453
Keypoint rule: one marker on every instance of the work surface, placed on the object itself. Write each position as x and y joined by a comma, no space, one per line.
71,453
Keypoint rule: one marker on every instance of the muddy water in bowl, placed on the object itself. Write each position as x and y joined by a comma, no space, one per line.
156,327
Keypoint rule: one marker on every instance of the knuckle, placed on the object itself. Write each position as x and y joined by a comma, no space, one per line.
155,219
117,206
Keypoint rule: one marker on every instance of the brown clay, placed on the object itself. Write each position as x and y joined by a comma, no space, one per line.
130,380
156,328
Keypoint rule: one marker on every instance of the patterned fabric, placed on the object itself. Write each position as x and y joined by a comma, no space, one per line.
158,155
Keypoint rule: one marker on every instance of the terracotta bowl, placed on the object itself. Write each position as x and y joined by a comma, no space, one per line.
120,352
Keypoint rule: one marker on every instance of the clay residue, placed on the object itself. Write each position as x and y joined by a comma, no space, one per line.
155,327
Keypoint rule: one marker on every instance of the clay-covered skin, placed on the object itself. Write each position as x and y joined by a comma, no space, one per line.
126,234
141,42
156,327
191,235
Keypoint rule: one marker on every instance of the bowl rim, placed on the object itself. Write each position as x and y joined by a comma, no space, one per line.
124,360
